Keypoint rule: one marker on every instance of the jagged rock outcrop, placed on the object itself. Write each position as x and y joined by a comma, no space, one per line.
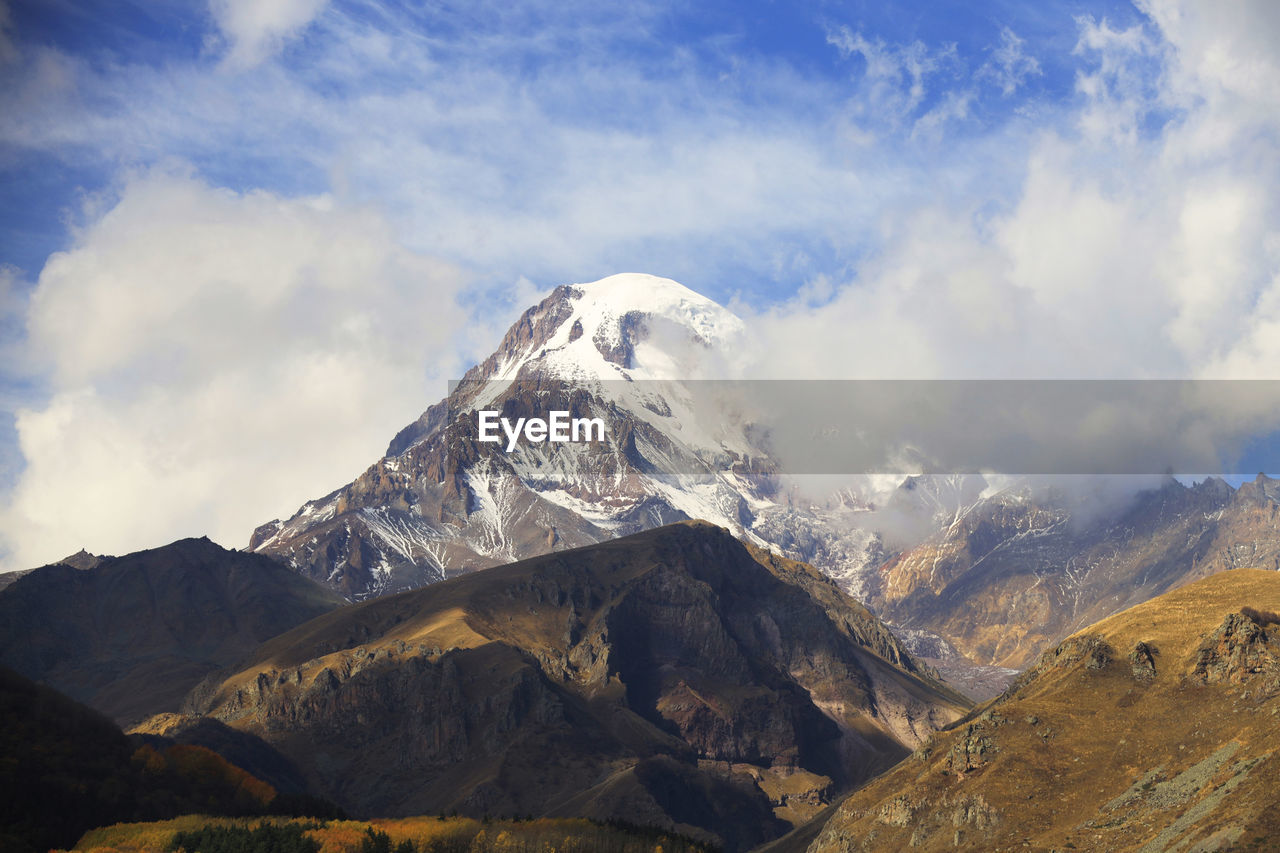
1142,661
1240,651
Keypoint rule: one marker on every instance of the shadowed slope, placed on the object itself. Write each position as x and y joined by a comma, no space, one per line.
132,635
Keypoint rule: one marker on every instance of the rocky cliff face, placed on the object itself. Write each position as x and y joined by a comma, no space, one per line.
1154,729
131,635
675,677
1015,573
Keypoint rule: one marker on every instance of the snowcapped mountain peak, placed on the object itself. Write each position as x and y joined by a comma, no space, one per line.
603,303
625,326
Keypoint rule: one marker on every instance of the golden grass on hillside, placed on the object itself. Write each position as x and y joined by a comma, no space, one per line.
1109,743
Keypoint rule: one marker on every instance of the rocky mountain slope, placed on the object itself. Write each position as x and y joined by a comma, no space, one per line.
442,502
1018,571
130,636
1153,730
677,678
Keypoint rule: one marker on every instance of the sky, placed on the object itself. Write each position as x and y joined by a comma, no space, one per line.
242,242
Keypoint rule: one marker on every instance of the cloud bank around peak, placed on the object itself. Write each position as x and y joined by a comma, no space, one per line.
1140,241
211,353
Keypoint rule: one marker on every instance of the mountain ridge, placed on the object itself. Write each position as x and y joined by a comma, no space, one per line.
678,659
131,635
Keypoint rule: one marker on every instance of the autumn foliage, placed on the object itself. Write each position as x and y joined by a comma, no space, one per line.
405,835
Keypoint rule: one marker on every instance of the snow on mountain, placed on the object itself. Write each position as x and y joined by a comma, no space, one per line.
597,333
623,348
441,502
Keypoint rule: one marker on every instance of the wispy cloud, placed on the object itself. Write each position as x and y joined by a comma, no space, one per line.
1009,66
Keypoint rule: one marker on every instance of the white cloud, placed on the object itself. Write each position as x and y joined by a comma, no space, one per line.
1009,66
1132,232
216,359
1142,239
1228,46
1117,85
256,29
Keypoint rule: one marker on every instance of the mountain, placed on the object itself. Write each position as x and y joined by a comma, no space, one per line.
131,635
1019,570
1154,729
82,559
979,577
67,768
677,678
442,502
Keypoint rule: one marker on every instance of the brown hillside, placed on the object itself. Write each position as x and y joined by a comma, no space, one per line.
1156,729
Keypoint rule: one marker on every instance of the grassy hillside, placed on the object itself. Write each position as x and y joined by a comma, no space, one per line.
1155,729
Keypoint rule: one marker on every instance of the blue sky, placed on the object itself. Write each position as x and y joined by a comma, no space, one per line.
241,237
652,75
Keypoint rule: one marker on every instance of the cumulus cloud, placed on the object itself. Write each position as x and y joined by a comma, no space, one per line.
256,29
216,358
1141,240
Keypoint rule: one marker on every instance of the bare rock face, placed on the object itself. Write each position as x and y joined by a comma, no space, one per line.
972,751
1142,659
